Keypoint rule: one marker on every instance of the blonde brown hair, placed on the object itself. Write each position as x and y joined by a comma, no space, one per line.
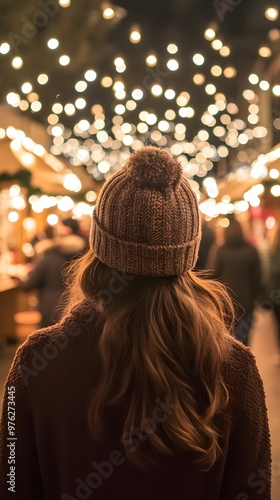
163,338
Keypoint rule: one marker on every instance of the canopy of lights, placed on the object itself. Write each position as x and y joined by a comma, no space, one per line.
200,80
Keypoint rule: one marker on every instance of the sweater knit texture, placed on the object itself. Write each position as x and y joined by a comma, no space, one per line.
146,221
52,378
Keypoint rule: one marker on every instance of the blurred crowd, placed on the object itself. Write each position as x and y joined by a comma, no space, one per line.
229,257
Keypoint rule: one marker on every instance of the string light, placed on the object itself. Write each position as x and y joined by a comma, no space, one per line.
172,65
151,60
64,3
276,90
172,48
264,85
90,75
17,62
253,79
108,12
217,44
156,90
271,13
4,48
199,79
209,34
198,59
26,88
64,60
230,72
135,35
264,51
53,43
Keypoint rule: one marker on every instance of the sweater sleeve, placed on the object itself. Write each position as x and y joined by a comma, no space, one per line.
19,468
247,473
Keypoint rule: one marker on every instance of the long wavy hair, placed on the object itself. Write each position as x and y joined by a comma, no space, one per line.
163,339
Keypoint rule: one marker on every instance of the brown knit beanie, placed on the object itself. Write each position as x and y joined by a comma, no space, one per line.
146,221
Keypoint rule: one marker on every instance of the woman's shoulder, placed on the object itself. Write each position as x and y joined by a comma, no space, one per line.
241,375
238,359
46,342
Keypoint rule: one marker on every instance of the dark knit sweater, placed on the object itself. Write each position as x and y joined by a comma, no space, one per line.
56,458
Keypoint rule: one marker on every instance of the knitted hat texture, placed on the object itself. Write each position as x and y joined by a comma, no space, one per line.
146,221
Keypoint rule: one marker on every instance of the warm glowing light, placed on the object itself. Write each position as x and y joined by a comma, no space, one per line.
198,59
64,60
209,34
276,90
248,94
172,48
187,112
270,222
135,35
57,108
169,94
4,48
64,3
52,219
172,64
183,99
264,85
223,151
120,109
80,103
253,79
69,109
43,79
26,87
156,90
199,79
90,75
275,190
151,60
13,216
106,81
28,159
91,196
170,114
274,34
264,51
53,43
65,204
13,99
18,202
230,72
108,13
72,183
271,13
210,89
36,106
17,62
217,44
224,51
274,173
216,70
137,94
81,86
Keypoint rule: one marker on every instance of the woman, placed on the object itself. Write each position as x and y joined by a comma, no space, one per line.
139,392
237,264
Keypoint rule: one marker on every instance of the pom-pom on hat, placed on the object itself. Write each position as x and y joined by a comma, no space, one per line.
146,221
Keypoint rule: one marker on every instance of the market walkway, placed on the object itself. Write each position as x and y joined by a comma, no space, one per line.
263,344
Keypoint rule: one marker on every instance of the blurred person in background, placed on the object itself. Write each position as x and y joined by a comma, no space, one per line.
143,393
207,240
274,283
237,264
46,276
